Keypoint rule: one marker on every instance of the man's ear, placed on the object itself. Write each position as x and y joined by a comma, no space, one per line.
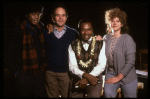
47,26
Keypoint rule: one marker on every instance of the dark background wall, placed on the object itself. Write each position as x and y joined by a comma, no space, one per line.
137,19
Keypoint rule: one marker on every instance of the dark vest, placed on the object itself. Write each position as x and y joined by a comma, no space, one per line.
85,55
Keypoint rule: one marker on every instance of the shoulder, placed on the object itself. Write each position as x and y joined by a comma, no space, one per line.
72,33
45,32
75,41
41,24
128,41
99,43
72,29
106,36
127,37
74,44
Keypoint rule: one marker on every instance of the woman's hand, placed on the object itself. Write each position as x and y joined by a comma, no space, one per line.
98,38
112,80
116,79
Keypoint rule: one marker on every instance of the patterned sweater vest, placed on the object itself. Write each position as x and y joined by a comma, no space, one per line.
85,55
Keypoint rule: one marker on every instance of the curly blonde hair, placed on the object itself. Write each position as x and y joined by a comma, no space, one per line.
113,13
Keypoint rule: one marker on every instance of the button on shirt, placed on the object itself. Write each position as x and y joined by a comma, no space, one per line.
97,70
59,34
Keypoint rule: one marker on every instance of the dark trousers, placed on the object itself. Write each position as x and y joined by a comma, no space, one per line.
88,92
30,85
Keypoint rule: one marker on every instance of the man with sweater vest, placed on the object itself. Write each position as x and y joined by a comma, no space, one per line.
87,61
57,43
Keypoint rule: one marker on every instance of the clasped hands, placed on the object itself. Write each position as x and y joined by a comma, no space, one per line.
87,78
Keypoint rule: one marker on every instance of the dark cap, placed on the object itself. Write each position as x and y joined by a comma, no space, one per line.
34,7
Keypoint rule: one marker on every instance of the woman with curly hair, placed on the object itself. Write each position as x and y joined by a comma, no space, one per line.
120,52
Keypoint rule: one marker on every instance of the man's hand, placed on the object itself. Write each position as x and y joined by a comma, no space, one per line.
82,83
91,79
49,28
98,38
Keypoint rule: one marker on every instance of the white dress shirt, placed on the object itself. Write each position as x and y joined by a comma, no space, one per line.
97,70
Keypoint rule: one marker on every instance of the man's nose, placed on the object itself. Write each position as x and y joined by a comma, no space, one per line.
36,16
60,17
86,31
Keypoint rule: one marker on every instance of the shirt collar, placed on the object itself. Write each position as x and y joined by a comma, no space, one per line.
90,39
62,30
88,42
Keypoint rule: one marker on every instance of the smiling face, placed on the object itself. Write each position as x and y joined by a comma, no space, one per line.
33,18
116,24
86,30
60,17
